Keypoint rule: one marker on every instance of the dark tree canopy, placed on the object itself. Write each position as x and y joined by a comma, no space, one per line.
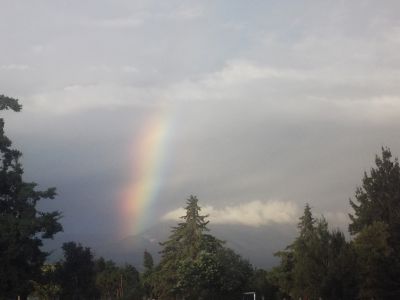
22,225
77,272
376,225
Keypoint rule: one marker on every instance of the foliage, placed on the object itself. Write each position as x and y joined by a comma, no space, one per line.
319,263
22,226
373,251
47,288
77,272
147,278
376,224
196,265
148,261
115,282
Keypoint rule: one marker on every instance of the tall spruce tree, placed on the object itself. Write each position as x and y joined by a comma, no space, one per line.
22,225
184,245
376,208
195,265
319,263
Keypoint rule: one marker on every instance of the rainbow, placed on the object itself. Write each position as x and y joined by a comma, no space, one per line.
148,164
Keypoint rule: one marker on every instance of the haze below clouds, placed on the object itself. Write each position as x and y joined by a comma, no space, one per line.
273,104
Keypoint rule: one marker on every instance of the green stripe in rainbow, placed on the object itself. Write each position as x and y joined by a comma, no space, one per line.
148,165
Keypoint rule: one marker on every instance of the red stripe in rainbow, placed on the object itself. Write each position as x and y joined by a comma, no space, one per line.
148,164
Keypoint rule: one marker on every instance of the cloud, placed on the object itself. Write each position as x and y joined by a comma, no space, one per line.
14,67
259,213
255,213
129,69
188,12
278,88
138,19
117,23
337,219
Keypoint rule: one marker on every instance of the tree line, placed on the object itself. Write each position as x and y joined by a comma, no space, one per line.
319,264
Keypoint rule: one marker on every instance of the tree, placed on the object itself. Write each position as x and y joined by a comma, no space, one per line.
378,199
341,278
22,226
377,209
47,288
148,261
147,277
373,251
262,282
184,244
115,282
308,255
77,272
195,265
319,263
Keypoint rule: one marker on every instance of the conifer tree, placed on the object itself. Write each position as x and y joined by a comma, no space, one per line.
378,199
148,262
319,263
195,265
376,215
22,225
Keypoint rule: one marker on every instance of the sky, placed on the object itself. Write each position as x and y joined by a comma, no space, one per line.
256,107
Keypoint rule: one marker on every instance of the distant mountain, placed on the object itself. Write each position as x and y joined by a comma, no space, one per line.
255,244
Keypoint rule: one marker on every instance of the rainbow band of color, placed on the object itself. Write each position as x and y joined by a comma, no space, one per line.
148,166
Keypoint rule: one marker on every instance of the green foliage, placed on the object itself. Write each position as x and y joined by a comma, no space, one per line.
148,261
115,282
147,277
378,199
282,275
319,263
47,288
77,272
263,283
376,224
22,225
196,265
374,258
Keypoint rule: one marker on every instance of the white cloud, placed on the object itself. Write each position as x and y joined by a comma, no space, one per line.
255,213
337,219
258,213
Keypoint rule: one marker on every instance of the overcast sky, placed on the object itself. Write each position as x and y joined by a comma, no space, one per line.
272,104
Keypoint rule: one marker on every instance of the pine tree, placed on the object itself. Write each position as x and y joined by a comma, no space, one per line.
377,209
195,265
378,199
148,262
184,244
22,225
319,263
